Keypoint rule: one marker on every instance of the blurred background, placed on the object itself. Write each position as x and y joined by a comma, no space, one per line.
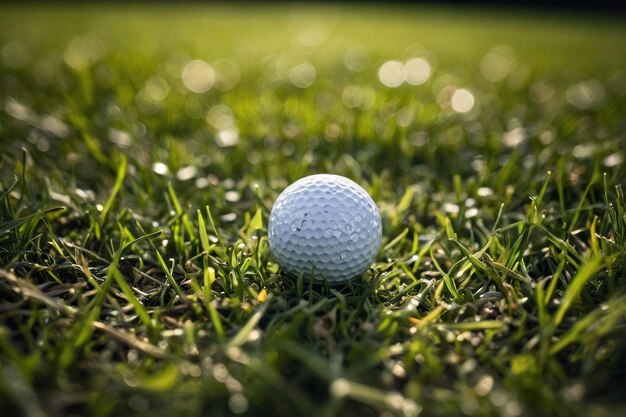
223,98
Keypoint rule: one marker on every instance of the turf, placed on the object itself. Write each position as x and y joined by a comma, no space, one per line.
135,274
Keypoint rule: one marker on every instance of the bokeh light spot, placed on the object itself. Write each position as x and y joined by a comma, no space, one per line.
613,160
514,137
238,403
356,58
83,51
198,76
462,101
221,117
227,138
302,75
541,91
157,88
15,55
498,63
391,74
311,30
354,96
484,386
586,94
160,168
18,110
417,71
187,173
145,103
54,125
227,74
340,387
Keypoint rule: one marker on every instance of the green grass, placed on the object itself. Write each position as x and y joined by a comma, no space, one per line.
135,274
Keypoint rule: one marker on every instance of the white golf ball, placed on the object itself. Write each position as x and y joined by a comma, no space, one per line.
325,227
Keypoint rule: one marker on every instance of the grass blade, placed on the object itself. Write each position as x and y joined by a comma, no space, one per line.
584,275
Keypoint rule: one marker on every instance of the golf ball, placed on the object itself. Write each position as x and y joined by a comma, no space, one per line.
324,227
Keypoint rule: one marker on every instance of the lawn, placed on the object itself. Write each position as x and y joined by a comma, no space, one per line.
142,148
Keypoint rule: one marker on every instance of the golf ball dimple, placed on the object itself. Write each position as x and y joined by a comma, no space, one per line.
324,227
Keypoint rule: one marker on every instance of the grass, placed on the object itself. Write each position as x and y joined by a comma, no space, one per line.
135,274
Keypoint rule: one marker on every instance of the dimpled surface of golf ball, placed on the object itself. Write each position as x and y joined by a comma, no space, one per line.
325,227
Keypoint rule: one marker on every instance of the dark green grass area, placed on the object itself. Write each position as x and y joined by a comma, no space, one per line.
135,274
